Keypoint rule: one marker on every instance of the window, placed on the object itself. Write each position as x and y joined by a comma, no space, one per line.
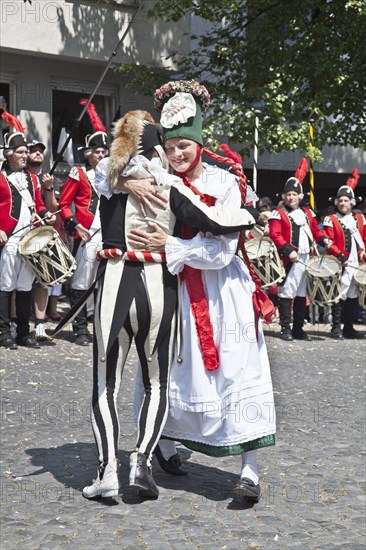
5,103
66,109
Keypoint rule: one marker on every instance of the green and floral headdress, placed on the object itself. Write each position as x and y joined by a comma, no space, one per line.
181,103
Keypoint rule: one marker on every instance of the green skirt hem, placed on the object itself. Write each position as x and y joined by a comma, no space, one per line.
228,450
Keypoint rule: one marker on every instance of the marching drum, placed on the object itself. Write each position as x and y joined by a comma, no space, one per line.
360,280
323,280
47,256
266,261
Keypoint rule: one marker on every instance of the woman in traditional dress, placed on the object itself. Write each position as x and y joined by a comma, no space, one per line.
220,397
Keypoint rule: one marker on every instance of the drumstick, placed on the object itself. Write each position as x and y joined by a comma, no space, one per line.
91,236
260,242
53,213
40,220
355,267
303,263
35,222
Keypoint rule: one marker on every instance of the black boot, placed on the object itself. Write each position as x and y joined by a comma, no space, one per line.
299,317
6,340
141,476
80,323
23,304
349,316
284,307
336,331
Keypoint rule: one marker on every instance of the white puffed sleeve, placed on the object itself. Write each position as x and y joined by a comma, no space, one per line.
201,252
101,178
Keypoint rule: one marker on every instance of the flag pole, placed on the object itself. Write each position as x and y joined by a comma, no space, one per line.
311,171
257,112
109,63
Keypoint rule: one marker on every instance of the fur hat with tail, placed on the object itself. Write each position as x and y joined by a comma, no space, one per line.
134,134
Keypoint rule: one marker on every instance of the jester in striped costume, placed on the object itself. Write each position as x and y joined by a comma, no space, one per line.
137,299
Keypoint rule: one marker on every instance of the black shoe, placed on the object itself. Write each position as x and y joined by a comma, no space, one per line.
301,335
82,340
141,476
8,343
28,342
352,334
286,334
173,466
248,489
336,334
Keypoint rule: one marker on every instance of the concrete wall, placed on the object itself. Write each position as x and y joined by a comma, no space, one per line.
88,30
336,159
65,44
32,80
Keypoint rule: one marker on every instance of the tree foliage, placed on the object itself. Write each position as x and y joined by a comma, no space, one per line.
294,60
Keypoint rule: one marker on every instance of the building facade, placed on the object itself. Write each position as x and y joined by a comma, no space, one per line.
53,53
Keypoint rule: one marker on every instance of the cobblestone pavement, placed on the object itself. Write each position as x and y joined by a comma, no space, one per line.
312,480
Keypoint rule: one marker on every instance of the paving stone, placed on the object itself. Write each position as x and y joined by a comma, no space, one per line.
312,480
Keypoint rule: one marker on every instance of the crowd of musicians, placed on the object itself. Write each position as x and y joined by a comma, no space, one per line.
284,249
334,279
292,227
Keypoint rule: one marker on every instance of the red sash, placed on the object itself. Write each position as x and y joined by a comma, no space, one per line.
262,305
197,296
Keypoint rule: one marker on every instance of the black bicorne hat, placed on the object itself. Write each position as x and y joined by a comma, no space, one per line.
93,141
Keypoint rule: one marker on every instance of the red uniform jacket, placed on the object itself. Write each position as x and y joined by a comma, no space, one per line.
285,233
78,190
11,201
341,236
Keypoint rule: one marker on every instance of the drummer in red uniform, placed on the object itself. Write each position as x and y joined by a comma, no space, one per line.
294,230
20,204
79,190
347,230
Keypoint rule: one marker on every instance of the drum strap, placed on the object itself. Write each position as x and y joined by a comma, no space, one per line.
310,236
305,227
357,236
355,233
90,177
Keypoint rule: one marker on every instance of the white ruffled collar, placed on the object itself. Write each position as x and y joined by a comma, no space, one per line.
298,216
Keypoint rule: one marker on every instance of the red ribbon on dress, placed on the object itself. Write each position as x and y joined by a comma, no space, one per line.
197,295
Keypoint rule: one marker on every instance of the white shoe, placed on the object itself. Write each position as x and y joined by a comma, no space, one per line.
107,486
40,333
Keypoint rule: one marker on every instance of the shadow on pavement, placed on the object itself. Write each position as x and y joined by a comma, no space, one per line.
75,465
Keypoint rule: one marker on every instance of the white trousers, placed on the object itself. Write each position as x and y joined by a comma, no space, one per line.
295,283
14,272
87,264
